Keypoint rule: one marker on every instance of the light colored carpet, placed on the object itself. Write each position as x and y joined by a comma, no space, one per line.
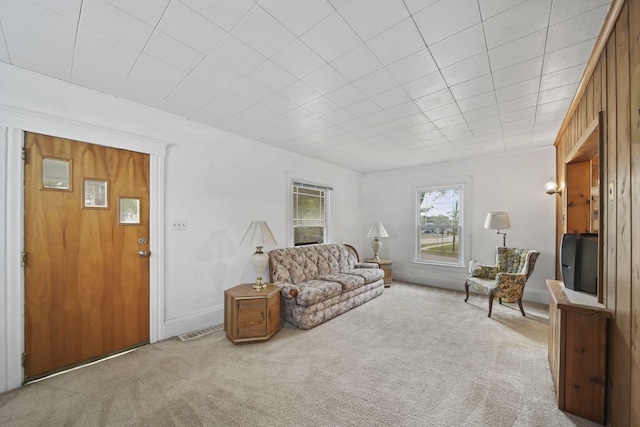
415,356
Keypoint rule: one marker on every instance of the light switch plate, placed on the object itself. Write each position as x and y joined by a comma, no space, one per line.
179,224
612,191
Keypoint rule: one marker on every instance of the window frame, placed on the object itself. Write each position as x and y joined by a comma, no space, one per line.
463,184
305,183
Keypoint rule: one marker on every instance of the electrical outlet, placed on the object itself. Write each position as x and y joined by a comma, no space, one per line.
179,224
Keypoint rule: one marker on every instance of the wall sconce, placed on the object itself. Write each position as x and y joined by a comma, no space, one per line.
552,188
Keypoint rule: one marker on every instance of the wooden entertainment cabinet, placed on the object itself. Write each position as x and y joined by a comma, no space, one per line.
578,351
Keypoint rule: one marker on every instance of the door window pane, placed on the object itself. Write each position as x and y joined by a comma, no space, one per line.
56,174
95,193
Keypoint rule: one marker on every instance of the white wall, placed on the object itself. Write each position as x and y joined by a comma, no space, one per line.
513,182
216,181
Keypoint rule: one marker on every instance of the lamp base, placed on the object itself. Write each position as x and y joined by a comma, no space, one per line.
259,284
375,245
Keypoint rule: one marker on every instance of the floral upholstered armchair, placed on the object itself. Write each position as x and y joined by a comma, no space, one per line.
506,279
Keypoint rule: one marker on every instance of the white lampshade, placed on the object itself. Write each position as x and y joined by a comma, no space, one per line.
497,221
377,230
258,235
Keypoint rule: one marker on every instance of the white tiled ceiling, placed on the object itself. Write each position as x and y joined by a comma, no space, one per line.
364,84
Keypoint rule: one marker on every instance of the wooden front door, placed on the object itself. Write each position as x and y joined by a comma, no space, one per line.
86,284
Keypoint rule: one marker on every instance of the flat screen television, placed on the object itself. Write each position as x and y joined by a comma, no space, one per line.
579,262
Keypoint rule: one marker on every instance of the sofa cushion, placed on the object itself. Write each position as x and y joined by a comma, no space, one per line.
348,281
369,275
314,291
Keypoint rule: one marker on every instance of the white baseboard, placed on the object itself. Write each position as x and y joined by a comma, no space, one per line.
531,295
194,322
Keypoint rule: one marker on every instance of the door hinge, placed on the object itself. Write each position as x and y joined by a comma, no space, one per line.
24,259
24,155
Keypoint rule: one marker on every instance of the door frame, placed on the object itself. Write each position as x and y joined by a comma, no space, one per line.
14,124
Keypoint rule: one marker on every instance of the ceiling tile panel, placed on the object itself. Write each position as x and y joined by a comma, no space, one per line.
298,59
321,106
212,72
517,73
435,100
4,52
407,109
568,57
518,104
474,87
175,53
413,66
466,70
397,42
224,13
226,106
516,22
38,63
297,16
562,77
375,83
558,93
262,32
490,110
519,50
575,30
460,46
551,107
250,90
148,11
191,28
67,8
445,18
325,80
193,93
299,93
98,72
356,63
369,18
425,85
331,37
566,9
518,90
115,23
391,98
346,95
272,76
487,99
26,28
236,55
490,8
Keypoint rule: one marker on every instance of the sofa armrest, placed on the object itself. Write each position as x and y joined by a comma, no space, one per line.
483,271
365,265
288,290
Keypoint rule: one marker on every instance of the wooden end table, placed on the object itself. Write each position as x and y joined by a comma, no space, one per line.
385,265
251,315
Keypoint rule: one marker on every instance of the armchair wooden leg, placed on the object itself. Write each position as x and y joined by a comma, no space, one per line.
500,301
520,304
490,304
466,289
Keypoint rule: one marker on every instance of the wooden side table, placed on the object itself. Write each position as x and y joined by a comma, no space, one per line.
385,265
251,315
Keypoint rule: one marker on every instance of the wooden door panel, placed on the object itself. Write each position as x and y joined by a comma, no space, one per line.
86,288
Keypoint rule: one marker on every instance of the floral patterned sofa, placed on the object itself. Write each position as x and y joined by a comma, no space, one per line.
320,282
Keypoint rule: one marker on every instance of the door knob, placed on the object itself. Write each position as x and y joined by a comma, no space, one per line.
144,253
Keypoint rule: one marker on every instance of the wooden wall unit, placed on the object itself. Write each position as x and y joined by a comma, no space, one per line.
611,84
577,352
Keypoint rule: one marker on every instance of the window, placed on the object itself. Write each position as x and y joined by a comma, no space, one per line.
439,225
309,213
